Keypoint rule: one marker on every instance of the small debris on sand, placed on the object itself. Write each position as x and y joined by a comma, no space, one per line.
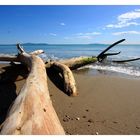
77,118
90,121
65,120
137,127
84,116
97,133
67,116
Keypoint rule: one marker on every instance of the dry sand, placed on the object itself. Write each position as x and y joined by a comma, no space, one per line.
105,105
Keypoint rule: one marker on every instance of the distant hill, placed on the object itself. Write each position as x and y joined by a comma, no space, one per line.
97,44
26,44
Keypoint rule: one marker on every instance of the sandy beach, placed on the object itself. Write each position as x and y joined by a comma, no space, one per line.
106,105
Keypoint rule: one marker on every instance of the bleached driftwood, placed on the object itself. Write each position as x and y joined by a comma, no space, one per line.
32,111
69,81
16,58
37,52
78,62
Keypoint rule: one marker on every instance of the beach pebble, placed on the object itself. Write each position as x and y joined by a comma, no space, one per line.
77,118
87,110
97,133
90,121
65,120
67,116
137,127
68,133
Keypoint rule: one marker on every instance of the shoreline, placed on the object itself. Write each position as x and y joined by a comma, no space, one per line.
106,105
90,72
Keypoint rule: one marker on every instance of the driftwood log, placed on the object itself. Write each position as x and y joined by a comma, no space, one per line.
69,81
78,62
32,111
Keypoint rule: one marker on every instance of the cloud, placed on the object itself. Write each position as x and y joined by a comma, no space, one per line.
126,19
126,32
62,24
121,25
52,34
89,34
137,10
78,37
84,37
129,15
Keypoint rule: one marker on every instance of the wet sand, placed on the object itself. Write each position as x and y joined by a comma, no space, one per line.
106,105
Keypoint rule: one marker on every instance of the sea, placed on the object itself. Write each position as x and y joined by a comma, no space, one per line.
65,51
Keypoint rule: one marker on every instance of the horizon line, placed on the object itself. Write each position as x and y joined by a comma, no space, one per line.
68,43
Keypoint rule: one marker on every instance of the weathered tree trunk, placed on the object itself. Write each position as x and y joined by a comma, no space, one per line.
78,62
69,81
32,111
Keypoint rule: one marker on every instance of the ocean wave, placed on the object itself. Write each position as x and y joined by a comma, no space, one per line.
124,70
46,56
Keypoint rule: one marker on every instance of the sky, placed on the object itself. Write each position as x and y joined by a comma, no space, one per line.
65,24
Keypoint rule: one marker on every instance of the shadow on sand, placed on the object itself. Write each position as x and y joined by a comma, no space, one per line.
56,77
8,76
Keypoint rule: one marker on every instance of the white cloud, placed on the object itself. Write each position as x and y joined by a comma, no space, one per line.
137,9
89,34
126,32
62,24
121,25
84,37
126,19
129,15
52,34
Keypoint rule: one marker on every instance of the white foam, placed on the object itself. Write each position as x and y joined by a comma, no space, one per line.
124,70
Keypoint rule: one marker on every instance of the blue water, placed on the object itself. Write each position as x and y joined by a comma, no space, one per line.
68,51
